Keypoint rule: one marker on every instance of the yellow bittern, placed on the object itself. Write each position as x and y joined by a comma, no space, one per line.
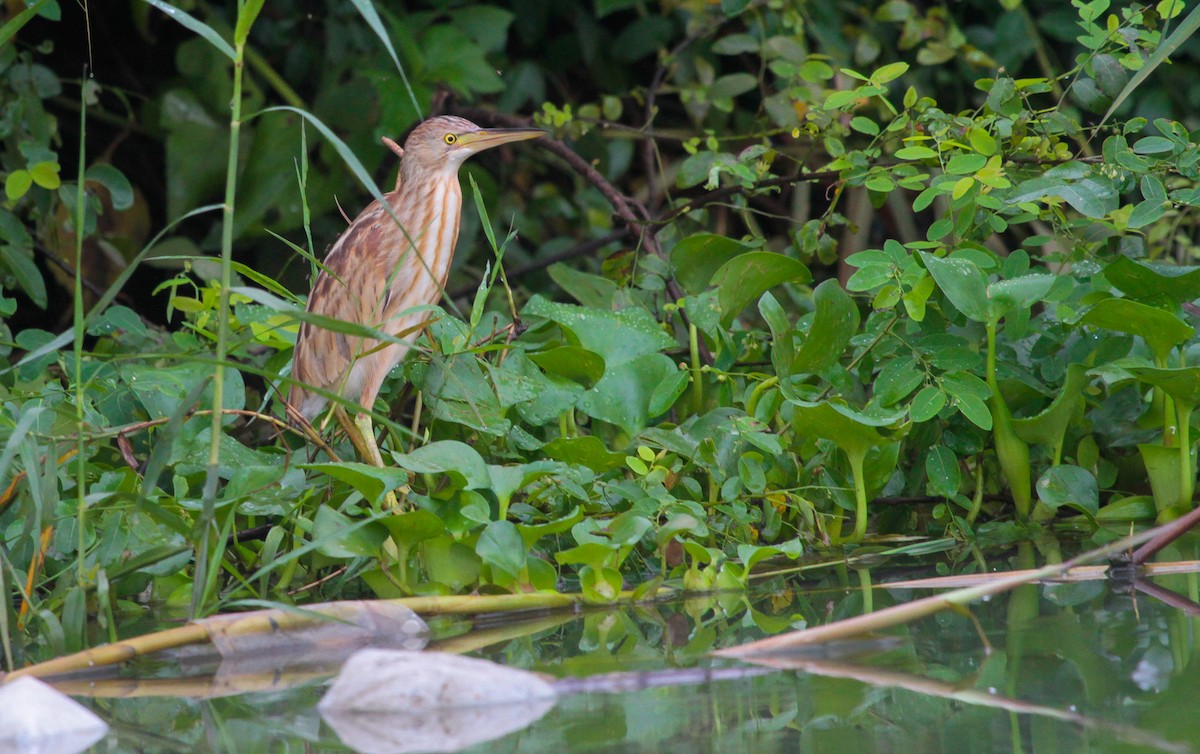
381,268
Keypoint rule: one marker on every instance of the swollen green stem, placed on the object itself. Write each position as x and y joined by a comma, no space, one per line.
1187,476
697,364
80,217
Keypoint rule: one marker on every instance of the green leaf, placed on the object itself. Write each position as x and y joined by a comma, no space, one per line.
1181,383
1049,426
741,280
600,585
1069,485
17,184
916,153
1161,330
617,336
455,459
570,362
624,395
370,481
450,562
407,529
338,536
45,174
120,191
587,451
962,282
942,471
666,392
590,290
1154,283
25,271
834,323
1018,293
697,258
926,404
500,546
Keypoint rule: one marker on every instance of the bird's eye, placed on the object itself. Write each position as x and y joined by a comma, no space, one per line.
450,138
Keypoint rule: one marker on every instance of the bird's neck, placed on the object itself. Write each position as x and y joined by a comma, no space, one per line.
430,216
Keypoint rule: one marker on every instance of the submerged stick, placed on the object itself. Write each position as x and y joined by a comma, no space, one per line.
277,620
926,606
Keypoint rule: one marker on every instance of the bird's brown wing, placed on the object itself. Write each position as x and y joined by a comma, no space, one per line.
352,288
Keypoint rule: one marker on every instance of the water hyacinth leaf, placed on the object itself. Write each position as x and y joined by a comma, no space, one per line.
752,555
450,562
1166,470
1182,383
370,481
407,529
570,362
1155,284
500,546
1071,486
337,536
589,451
1050,425
617,336
962,282
1161,330
590,290
623,396
531,533
834,323
783,350
600,585
457,459
743,279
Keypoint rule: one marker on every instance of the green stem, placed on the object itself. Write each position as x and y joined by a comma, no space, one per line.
757,393
212,475
78,326
697,364
1187,476
977,498
860,498
1011,451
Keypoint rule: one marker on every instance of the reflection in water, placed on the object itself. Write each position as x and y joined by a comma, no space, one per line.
1072,667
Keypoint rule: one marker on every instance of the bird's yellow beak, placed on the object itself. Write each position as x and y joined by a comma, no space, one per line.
486,138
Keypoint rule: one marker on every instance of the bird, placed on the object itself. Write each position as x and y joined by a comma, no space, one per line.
393,257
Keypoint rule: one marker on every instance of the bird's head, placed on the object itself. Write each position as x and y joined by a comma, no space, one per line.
445,142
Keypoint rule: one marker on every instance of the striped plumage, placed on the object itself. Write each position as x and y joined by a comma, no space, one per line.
377,269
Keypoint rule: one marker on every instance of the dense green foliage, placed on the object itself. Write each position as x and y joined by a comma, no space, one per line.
805,258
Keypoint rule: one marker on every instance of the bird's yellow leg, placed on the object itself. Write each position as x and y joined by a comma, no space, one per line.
362,436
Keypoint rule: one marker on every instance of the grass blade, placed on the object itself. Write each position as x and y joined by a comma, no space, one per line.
371,16
1164,51
194,24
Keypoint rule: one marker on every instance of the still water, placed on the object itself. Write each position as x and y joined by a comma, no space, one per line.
1067,667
